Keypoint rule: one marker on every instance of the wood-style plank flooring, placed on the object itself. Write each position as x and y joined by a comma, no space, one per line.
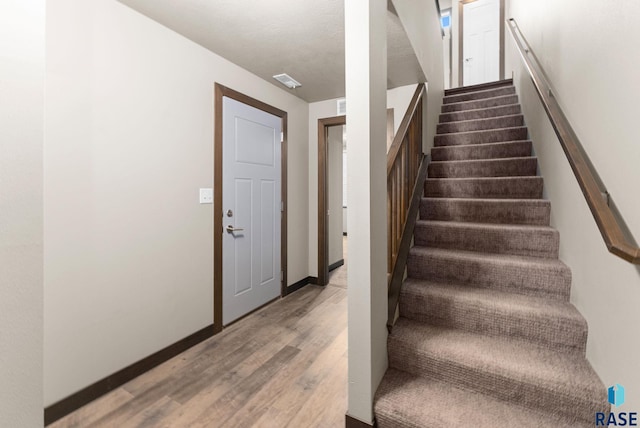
283,366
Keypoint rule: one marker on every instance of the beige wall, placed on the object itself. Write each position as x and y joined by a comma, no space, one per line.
22,48
422,25
398,99
585,49
129,140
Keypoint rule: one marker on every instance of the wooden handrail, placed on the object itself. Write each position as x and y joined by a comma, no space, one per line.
406,171
594,191
400,136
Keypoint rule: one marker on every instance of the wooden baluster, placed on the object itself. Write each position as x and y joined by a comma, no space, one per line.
398,207
393,216
403,182
404,168
389,226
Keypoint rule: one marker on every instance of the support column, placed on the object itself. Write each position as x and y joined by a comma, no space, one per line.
366,89
22,75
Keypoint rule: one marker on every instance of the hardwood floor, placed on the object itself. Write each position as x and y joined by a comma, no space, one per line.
338,277
283,366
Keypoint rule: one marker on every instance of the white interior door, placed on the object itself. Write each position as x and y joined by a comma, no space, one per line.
251,201
481,42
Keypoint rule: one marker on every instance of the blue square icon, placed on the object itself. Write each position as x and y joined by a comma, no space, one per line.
616,395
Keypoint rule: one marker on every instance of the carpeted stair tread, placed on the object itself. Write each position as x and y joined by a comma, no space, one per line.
508,369
481,137
480,94
493,211
481,113
478,104
509,121
521,240
485,187
548,322
531,276
505,167
478,87
507,149
404,400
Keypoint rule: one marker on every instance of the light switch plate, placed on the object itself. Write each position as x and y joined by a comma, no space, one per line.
206,196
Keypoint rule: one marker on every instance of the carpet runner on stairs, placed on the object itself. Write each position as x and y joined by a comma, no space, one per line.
487,336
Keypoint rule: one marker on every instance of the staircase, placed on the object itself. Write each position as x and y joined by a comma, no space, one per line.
486,335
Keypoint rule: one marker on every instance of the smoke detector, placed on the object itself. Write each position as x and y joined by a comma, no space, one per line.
287,80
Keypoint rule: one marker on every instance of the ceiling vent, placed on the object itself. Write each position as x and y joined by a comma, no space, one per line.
287,80
342,106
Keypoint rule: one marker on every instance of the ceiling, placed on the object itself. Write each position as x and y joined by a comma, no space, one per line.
304,39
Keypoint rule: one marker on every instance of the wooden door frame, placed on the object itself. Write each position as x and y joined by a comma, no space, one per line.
221,91
461,41
323,241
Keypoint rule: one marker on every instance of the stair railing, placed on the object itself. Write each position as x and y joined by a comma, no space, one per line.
406,171
593,189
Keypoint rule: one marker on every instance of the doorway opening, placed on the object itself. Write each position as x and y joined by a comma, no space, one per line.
447,46
337,205
332,198
250,205
481,41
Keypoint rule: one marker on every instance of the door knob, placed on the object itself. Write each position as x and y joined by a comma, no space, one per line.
232,229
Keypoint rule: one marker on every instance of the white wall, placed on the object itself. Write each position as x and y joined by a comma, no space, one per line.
446,47
22,48
422,25
398,99
446,43
334,185
129,140
584,48
455,43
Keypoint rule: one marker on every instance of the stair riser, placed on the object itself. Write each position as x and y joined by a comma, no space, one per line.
497,211
404,400
561,334
481,137
479,95
481,113
507,188
478,104
550,282
536,243
515,391
482,151
384,421
481,124
479,87
523,167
